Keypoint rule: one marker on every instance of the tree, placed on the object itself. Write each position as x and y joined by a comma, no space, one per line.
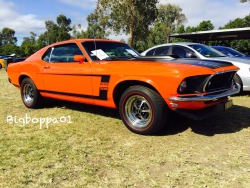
51,33
29,45
42,40
240,45
244,1
75,31
63,28
205,26
56,32
8,49
8,41
97,25
8,36
132,17
169,19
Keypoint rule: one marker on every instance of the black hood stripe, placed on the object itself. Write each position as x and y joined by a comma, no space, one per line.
212,64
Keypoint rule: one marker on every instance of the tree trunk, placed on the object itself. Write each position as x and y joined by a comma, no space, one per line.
131,33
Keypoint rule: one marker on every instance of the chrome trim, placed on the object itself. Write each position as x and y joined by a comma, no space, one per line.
211,76
233,91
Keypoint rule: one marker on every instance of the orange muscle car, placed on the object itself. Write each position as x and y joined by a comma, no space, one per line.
111,74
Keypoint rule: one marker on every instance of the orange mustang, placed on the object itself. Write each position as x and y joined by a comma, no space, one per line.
111,74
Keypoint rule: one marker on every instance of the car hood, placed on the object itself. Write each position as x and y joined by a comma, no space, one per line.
211,64
233,60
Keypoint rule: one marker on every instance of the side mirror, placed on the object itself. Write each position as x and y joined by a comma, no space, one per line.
79,58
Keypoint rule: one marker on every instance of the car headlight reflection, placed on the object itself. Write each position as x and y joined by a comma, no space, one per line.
183,87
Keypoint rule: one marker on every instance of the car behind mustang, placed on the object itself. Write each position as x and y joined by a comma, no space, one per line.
111,74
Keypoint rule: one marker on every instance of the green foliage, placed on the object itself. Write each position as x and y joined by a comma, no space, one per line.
97,25
8,49
63,28
29,45
240,45
56,32
169,19
244,1
8,41
8,36
127,16
203,26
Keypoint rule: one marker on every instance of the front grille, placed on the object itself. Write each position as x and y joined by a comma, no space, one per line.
220,81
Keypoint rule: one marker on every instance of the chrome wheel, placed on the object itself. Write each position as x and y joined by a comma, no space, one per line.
138,111
28,94
142,110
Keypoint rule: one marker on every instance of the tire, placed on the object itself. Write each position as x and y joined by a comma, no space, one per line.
1,66
237,80
143,110
29,93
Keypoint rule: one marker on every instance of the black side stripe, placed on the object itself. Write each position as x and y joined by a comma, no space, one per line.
105,78
93,75
102,94
103,91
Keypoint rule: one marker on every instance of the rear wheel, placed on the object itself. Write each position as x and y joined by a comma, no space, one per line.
29,93
142,110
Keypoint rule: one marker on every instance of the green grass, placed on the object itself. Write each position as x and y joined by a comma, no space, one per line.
97,150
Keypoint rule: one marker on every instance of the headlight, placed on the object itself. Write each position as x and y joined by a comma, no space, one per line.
183,87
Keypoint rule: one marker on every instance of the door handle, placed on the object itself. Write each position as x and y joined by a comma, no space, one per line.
47,67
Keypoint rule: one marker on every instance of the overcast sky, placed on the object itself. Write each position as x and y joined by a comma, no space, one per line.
25,16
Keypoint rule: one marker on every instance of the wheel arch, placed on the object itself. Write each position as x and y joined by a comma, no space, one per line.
122,86
22,77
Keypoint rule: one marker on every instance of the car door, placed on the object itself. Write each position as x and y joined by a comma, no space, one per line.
63,76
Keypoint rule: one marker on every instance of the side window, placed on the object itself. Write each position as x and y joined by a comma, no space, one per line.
46,56
163,50
150,52
182,51
224,52
62,53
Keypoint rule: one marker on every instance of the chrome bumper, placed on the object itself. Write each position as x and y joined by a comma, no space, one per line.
209,97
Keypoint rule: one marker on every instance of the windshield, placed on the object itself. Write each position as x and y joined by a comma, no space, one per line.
206,50
234,52
103,50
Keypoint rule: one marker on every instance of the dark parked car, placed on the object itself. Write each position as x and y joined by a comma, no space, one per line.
230,52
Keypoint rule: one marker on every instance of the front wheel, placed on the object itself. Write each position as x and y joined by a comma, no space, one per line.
237,80
142,110
29,93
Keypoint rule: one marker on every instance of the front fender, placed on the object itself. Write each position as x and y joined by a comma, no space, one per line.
163,85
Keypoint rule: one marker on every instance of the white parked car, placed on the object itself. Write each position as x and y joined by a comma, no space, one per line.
201,51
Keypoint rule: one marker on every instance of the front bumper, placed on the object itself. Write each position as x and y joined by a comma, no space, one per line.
203,106
206,112
204,98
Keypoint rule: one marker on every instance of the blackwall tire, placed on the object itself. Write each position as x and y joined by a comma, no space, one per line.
29,93
143,110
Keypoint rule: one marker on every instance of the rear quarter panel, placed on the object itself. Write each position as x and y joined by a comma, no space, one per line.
31,69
